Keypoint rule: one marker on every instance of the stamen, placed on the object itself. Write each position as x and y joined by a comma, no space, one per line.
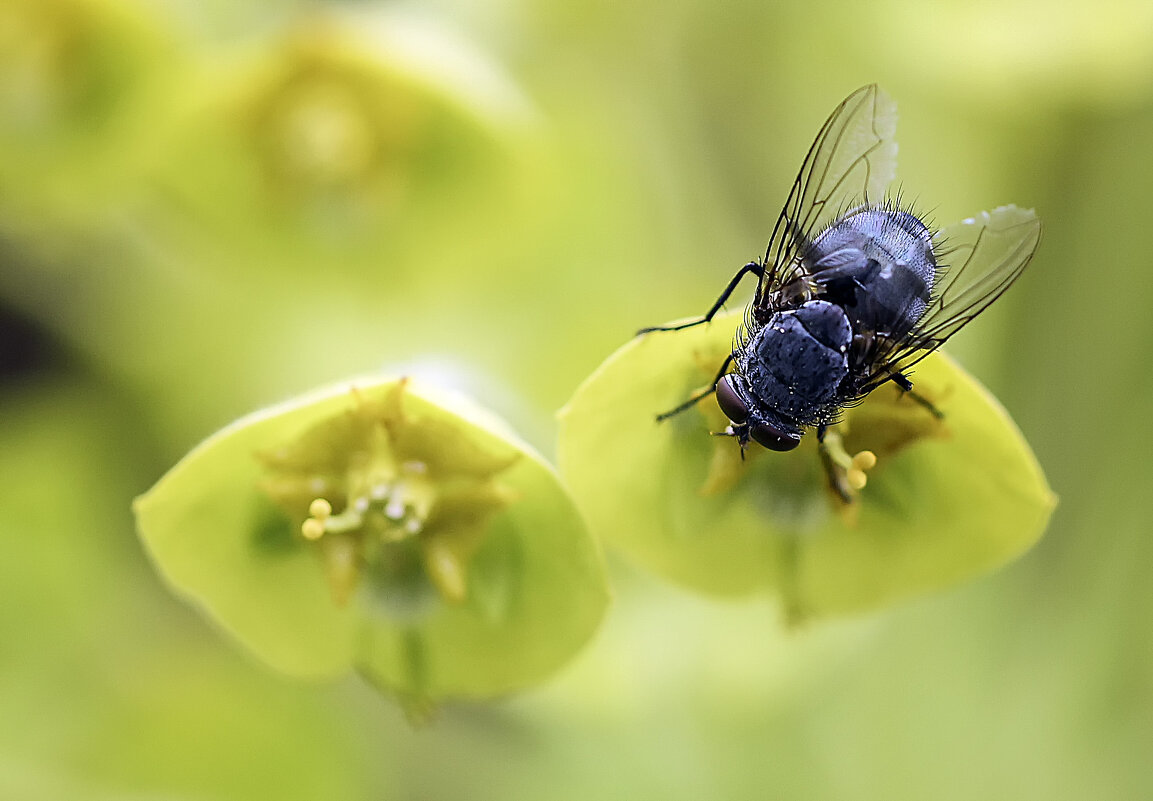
855,472
847,474
314,527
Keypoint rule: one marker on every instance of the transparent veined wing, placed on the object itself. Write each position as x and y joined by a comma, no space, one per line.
853,159
978,259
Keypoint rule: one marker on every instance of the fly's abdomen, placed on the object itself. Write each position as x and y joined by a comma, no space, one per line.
877,263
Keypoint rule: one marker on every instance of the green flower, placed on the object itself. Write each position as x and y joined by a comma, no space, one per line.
382,526
936,500
350,132
374,484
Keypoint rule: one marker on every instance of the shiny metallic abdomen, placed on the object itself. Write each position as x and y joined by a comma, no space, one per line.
877,263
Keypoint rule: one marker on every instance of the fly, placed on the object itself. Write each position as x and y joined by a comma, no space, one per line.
852,293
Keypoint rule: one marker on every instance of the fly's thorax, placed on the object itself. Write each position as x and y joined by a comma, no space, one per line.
793,367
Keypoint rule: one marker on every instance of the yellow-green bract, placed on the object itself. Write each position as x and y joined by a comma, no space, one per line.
947,499
384,526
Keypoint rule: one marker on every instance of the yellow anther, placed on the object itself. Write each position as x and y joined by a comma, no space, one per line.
865,460
856,478
320,509
312,529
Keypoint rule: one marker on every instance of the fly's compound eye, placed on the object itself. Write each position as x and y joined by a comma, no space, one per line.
730,401
774,438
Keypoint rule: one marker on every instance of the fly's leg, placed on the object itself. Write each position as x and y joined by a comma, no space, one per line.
906,386
700,395
925,402
752,267
846,474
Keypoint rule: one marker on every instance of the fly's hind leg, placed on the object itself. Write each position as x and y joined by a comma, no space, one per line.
906,386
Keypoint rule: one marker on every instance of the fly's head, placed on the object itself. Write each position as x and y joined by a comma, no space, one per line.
751,420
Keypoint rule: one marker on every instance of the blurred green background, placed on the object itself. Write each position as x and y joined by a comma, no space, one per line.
209,206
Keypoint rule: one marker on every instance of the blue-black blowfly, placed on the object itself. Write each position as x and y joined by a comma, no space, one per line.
852,291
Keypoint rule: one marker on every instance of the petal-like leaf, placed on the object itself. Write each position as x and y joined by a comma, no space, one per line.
947,500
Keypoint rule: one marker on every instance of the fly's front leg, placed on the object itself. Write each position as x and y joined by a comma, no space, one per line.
752,267
906,386
700,395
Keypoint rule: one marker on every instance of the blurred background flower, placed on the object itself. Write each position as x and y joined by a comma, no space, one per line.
207,207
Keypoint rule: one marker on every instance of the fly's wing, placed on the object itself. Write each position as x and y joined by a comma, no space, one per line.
853,159
979,258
